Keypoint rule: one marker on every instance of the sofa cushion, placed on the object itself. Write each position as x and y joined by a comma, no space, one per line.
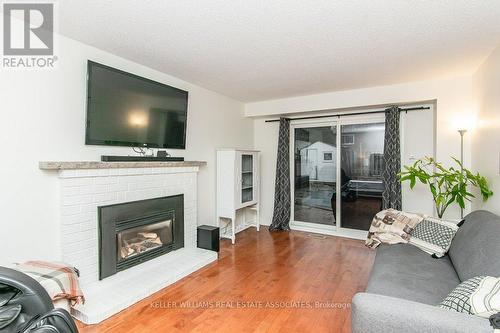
475,248
379,314
405,271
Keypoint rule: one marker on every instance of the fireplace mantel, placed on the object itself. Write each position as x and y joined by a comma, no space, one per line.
80,165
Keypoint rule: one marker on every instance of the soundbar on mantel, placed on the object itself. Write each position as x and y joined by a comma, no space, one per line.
108,158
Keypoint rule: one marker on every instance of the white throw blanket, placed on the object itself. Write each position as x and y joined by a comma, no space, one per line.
391,226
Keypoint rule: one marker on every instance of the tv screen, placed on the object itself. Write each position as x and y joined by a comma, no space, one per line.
128,110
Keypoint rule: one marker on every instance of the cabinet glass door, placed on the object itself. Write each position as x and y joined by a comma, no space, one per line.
246,178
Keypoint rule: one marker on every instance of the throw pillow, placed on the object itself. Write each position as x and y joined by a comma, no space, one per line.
479,296
433,235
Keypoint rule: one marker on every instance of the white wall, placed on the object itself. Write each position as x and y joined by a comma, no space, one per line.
486,136
417,141
453,98
266,140
43,118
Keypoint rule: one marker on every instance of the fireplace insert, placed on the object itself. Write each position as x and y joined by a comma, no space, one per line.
134,232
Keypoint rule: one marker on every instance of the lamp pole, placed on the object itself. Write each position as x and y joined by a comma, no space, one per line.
462,133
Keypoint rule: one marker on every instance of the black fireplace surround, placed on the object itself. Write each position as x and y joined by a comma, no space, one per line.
134,232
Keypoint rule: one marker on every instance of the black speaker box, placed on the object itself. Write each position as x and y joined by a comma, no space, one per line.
208,237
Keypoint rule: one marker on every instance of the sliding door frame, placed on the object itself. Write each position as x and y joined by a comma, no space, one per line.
337,229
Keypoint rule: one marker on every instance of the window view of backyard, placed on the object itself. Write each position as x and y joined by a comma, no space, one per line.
361,162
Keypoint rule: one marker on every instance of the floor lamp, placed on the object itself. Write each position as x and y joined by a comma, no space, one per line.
462,133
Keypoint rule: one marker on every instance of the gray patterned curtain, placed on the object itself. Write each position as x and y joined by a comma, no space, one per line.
391,197
281,215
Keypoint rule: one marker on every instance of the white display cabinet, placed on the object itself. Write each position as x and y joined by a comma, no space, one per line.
237,190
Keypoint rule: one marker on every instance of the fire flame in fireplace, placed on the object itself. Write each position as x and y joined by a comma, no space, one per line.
142,242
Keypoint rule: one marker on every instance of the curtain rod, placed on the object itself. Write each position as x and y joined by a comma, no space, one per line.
349,114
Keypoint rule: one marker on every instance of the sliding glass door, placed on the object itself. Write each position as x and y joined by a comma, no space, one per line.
315,170
337,174
362,148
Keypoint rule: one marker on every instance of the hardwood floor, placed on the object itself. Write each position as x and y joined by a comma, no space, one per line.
267,282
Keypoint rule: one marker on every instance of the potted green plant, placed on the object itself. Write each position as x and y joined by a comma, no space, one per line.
447,185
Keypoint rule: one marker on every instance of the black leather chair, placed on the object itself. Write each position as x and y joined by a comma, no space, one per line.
25,306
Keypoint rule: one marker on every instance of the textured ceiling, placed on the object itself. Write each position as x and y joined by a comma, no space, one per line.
256,50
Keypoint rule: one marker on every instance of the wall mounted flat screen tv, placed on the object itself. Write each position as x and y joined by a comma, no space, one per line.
128,110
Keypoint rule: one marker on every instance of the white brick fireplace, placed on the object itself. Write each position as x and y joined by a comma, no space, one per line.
84,186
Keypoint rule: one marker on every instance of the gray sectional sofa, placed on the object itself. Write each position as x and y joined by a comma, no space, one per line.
406,284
